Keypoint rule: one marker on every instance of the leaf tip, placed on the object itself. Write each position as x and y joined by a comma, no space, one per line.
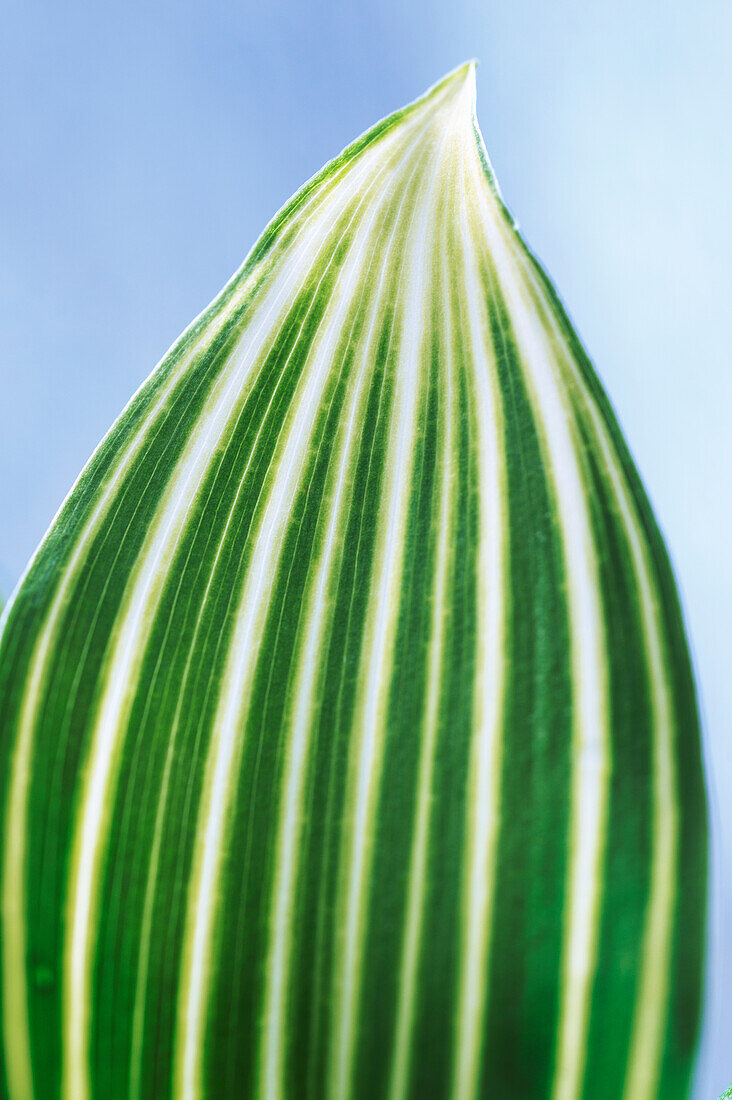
453,97
459,80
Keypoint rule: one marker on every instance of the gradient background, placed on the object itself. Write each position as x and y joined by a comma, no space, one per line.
146,144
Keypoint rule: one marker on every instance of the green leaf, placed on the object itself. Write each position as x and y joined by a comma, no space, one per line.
350,745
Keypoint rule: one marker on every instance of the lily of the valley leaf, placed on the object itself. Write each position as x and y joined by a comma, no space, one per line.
349,740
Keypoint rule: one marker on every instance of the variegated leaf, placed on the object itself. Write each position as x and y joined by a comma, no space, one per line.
349,740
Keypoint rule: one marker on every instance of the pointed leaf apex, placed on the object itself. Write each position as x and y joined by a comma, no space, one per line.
452,99
459,81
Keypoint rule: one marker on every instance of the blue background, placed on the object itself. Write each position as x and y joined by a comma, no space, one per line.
145,145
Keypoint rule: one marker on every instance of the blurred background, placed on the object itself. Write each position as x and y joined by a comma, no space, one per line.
145,146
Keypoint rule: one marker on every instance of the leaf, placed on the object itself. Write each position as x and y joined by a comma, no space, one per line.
350,740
